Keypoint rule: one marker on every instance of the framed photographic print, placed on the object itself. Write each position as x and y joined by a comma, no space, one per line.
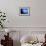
24,11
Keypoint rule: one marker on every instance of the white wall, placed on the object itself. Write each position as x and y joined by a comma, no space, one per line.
37,19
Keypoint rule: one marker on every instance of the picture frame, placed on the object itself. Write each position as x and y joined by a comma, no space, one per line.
24,11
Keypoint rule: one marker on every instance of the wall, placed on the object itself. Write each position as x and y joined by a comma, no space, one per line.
37,19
